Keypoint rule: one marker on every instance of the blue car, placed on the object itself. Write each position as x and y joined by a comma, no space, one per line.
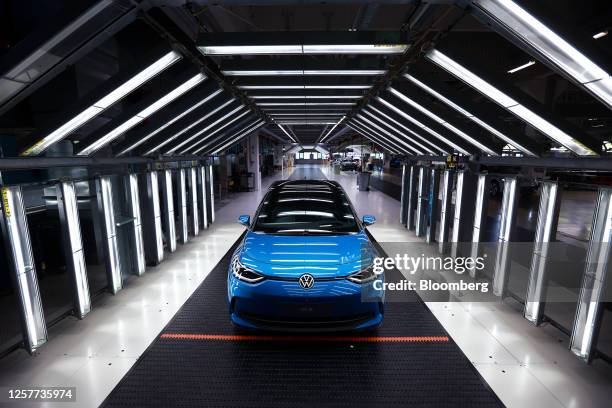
305,263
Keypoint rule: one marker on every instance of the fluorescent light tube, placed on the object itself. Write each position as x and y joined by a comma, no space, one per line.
214,132
332,129
422,126
389,134
467,114
283,129
305,123
510,104
547,43
170,122
306,114
187,128
154,107
600,34
305,96
351,72
357,128
520,67
251,87
99,106
207,128
378,119
306,104
303,49
442,122
249,130
372,131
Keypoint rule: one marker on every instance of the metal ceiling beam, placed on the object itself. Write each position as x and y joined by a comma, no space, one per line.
28,163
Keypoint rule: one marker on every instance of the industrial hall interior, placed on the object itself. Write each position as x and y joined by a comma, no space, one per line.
289,203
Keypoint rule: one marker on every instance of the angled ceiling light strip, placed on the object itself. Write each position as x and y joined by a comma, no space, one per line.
332,129
271,87
367,134
213,142
290,72
305,96
306,114
468,115
189,127
422,126
365,126
98,107
551,46
389,134
311,49
442,122
170,122
287,133
143,114
508,103
306,104
240,136
306,122
207,128
214,132
391,120
399,132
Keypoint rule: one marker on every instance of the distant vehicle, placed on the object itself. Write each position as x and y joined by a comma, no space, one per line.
305,263
349,165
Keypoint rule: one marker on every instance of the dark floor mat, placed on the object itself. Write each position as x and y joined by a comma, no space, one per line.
202,373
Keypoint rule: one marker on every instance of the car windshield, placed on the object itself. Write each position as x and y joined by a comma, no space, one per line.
304,208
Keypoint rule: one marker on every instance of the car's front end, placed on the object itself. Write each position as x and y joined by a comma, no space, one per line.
304,279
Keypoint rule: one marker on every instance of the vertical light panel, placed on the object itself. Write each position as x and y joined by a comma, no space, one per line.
546,230
211,186
134,210
432,205
19,253
168,213
412,197
151,219
422,197
589,311
193,195
404,196
181,186
480,217
445,210
202,192
106,211
464,211
506,229
73,246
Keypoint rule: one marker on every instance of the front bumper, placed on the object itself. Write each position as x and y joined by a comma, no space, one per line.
282,305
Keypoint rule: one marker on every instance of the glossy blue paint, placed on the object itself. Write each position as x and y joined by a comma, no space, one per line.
369,219
282,259
245,220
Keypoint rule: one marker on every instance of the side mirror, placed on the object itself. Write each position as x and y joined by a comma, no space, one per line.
245,220
368,220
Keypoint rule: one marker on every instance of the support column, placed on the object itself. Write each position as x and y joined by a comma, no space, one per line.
182,206
23,269
445,210
202,195
480,218
152,222
412,197
422,201
432,211
464,211
134,212
506,236
404,196
546,230
193,199
73,246
253,164
168,210
104,193
598,264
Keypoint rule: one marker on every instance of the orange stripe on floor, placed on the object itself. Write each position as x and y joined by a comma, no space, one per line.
356,339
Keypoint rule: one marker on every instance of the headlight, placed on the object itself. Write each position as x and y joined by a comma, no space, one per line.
363,276
243,273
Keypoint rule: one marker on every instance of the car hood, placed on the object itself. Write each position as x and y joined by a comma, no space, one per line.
291,256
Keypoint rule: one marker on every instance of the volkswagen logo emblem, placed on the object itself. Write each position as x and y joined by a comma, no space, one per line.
306,281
